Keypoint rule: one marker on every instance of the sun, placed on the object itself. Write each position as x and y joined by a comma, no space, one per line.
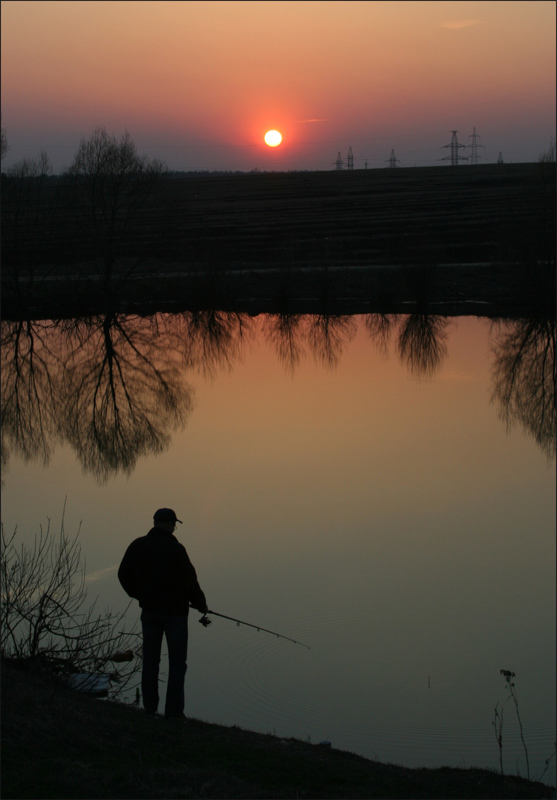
273,138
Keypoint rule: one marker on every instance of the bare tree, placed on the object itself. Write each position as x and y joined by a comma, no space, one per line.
548,156
26,220
45,620
542,198
4,142
110,184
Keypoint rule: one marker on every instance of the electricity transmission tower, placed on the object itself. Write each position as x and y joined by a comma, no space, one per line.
350,164
339,162
474,148
500,159
393,159
454,156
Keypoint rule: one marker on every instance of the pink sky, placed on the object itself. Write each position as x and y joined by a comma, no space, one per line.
199,83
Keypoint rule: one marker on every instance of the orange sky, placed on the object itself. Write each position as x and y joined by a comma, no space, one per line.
198,83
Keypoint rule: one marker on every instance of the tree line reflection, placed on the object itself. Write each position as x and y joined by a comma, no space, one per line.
524,378
114,387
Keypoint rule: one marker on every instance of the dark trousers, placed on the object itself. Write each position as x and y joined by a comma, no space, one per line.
175,628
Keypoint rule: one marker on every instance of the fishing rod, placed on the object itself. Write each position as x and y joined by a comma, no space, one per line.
205,621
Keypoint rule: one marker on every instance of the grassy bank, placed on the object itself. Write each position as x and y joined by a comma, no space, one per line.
60,744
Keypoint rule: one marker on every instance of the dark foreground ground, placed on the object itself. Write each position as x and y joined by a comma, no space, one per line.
488,290
468,239
60,744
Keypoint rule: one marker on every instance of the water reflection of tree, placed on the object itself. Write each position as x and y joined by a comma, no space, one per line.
421,343
124,392
379,327
325,335
211,340
285,332
421,340
32,366
524,378
112,386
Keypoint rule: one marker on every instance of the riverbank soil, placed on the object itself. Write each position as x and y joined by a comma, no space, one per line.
61,744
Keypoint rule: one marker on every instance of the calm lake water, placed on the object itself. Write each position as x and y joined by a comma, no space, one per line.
380,489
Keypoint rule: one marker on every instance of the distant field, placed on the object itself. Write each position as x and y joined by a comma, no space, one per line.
309,235
365,217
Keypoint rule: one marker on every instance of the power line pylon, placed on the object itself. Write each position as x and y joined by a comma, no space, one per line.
350,160
500,159
339,162
474,148
393,159
455,146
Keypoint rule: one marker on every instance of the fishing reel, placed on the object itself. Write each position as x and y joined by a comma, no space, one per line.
205,621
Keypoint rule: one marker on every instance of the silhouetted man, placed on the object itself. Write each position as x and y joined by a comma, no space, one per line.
157,571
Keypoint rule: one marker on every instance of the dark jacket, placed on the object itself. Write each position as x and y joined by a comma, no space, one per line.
156,570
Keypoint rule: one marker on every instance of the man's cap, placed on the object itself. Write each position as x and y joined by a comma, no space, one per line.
166,515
